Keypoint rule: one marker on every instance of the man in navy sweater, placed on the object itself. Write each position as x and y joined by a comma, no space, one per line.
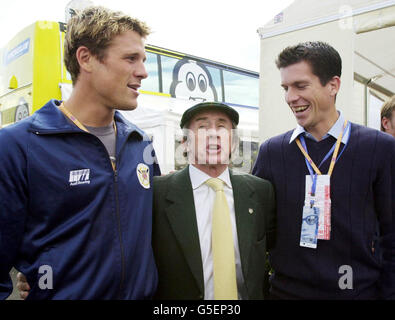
335,217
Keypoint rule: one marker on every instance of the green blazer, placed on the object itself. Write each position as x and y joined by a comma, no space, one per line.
175,236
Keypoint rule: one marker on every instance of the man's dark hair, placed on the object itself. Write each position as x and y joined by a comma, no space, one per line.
324,60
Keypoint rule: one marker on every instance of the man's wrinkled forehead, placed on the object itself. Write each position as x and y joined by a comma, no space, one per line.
210,115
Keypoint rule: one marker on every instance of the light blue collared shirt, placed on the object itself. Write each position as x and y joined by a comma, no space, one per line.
334,131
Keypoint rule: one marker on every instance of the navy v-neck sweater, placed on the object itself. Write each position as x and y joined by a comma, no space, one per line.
363,206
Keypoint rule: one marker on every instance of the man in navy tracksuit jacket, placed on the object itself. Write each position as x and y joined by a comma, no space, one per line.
358,261
76,210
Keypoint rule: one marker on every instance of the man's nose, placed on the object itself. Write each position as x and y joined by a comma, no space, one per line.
141,71
291,96
213,132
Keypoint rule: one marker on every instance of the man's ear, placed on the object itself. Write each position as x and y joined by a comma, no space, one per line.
84,58
385,123
334,86
235,142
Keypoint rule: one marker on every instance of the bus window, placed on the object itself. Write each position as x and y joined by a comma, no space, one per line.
167,64
151,65
216,77
241,89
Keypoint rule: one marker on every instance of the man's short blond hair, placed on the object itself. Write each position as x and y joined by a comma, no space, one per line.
387,109
95,27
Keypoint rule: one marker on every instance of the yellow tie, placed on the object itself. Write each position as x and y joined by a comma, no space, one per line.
225,286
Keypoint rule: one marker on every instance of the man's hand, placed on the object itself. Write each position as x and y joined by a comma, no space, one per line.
22,285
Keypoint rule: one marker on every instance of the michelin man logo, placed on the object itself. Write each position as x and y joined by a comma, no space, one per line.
192,80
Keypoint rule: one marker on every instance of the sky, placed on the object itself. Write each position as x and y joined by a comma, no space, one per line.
219,30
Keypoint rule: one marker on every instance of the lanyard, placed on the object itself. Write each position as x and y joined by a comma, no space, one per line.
310,163
68,114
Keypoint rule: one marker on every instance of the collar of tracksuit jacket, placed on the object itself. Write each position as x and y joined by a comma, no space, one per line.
50,120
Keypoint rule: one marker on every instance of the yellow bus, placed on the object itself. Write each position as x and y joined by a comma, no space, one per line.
31,70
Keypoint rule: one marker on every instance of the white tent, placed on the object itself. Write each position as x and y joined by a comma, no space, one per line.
362,31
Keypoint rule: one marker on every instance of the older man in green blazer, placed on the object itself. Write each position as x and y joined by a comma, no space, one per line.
190,259
195,258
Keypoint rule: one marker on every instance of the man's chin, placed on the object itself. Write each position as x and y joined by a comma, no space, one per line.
218,160
128,107
301,122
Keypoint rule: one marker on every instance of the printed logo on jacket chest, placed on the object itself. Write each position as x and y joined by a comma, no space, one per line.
79,177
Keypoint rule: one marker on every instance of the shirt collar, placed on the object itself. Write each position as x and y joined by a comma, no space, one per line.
334,131
199,177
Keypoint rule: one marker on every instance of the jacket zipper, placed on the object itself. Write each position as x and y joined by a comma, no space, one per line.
119,222
119,234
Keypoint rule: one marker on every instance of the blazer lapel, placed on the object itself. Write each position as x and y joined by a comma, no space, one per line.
182,217
245,208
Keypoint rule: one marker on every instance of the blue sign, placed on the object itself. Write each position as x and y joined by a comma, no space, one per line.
16,52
